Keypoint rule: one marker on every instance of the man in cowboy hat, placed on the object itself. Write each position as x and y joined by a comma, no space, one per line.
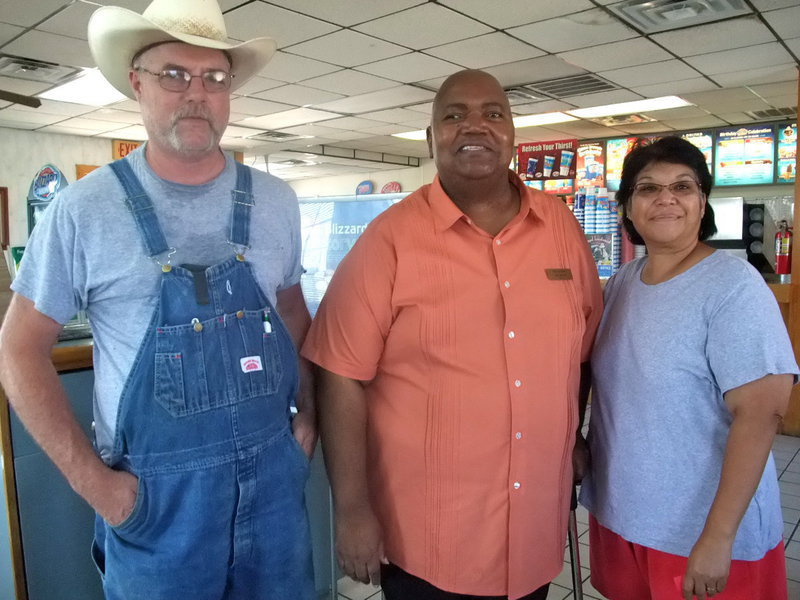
188,266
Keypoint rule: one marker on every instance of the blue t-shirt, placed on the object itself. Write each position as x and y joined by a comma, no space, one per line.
664,356
86,254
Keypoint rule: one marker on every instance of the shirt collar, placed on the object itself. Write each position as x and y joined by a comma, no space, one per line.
446,213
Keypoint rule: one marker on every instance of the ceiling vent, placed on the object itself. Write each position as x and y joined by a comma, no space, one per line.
276,136
521,95
653,16
34,70
616,120
773,113
564,87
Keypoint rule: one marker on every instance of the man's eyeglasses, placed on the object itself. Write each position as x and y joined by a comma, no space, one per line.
681,189
178,80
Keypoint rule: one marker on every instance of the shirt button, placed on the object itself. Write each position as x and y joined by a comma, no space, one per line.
507,284
517,485
518,435
511,334
517,383
498,242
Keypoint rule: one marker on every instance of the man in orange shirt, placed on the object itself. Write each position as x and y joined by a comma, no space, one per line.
450,343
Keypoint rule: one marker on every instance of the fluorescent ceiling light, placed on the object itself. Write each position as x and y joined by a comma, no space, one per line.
90,88
636,106
420,134
542,119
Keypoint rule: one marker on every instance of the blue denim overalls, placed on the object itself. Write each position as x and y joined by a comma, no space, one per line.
204,422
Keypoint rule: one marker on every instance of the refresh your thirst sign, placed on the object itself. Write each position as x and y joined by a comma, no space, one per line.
547,160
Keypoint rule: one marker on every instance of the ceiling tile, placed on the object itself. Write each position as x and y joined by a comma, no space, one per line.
345,134
472,53
668,70
257,84
94,125
13,113
391,98
291,68
541,107
49,47
615,55
286,27
298,95
385,129
532,70
394,115
755,103
584,129
671,88
424,26
642,128
28,13
775,73
695,122
785,22
72,21
794,45
720,96
516,12
734,33
752,57
578,30
538,134
736,118
67,109
348,48
128,104
684,112
23,86
14,124
350,83
773,4
350,12
256,106
289,118
117,116
354,123
312,129
410,67
9,31
425,108
775,89
602,98
134,132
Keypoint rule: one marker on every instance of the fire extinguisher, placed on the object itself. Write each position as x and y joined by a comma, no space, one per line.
783,249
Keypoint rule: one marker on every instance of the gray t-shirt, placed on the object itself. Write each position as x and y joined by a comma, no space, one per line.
86,254
664,356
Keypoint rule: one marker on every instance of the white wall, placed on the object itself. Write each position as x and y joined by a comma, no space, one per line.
345,185
23,153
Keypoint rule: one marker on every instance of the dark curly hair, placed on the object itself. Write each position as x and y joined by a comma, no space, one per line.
670,149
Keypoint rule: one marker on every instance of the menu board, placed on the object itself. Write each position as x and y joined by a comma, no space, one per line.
704,140
546,160
590,164
745,155
787,152
616,151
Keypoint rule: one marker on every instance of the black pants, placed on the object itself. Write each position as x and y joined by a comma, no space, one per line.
399,585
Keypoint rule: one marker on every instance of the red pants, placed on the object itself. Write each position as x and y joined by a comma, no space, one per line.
622,570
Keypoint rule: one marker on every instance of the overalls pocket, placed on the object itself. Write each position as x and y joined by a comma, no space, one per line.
139,510
217,362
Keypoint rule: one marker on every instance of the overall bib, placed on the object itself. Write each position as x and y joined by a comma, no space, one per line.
204,423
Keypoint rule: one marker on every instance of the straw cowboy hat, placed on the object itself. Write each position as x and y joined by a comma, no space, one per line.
116,34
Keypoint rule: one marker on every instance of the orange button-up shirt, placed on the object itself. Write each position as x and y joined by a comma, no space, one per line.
472,345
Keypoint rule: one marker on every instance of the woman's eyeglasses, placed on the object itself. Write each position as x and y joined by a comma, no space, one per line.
683,188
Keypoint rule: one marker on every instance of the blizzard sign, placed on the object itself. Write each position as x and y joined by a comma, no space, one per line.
46,183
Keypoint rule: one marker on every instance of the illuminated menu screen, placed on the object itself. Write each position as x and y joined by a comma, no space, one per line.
616,151
787,152
745,156
704,140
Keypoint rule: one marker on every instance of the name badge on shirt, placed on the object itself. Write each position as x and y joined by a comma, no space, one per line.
558,274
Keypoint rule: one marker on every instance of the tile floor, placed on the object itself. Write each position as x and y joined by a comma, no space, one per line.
787,458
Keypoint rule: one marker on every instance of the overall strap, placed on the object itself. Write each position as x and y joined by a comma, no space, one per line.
242,196
141,207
